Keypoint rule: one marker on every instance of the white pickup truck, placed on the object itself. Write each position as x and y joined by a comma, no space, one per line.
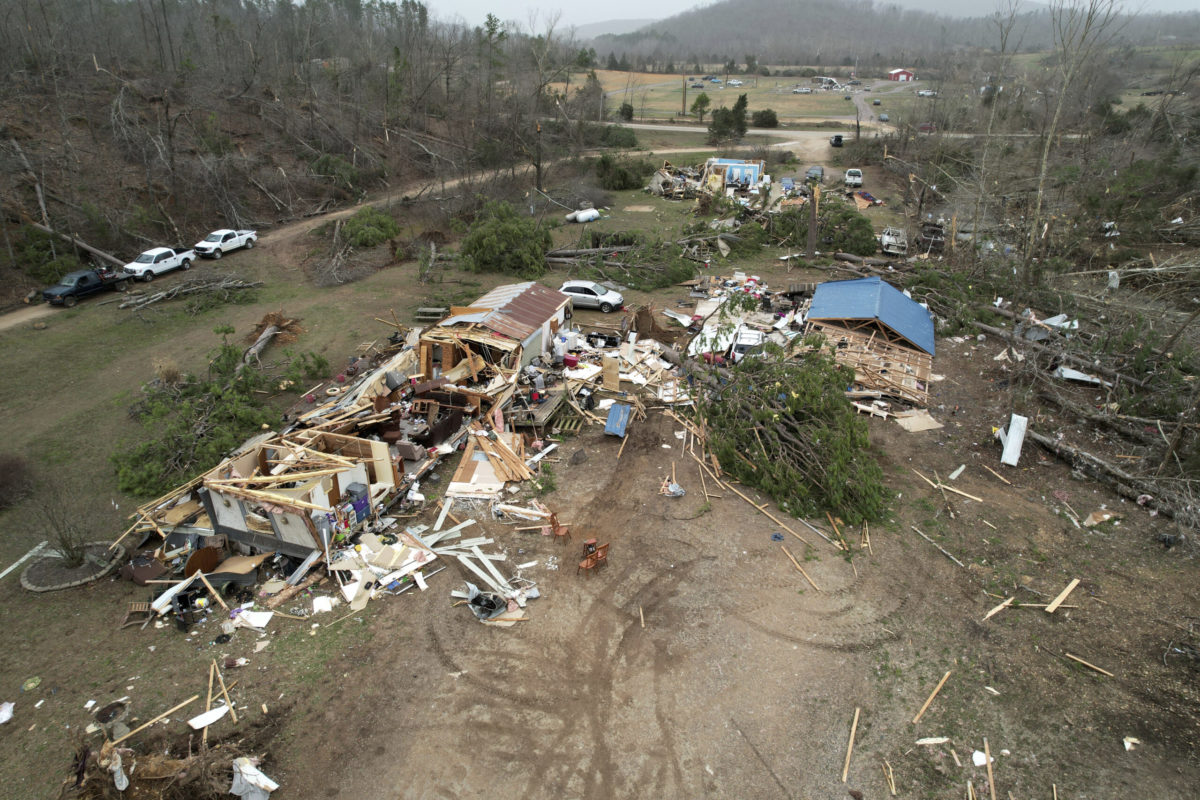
159,260
220,242
853,179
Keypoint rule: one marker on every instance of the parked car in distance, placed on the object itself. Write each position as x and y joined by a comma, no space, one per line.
587,294
815,174
714,80
81,283
801,90
696,86
736,82
158,261
847,97
876,102
927,127
926,93
835,140
220,242
884,117
853,178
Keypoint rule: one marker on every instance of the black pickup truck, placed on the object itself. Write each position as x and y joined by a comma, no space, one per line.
75,285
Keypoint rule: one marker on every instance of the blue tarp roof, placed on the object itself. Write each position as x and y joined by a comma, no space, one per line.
873,298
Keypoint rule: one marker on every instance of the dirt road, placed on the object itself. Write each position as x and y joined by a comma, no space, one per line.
25,314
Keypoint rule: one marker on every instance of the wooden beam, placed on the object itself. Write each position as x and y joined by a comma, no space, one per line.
1089,665
850,746
159,718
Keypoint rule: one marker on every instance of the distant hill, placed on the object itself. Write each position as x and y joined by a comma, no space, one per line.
611,27
839,32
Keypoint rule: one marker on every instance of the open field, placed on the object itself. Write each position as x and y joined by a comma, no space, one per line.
743,679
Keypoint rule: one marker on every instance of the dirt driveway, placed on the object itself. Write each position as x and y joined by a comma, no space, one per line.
744,679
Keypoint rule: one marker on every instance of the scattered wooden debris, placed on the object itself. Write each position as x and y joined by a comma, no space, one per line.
800,568
987,752
891,778
1089,665
943,550
1056,602
850,746
1007,602
929,699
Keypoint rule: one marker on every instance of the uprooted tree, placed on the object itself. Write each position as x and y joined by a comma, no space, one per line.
784,427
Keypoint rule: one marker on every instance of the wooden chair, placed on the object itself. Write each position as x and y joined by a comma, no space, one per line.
602,555
560,532
139,612
589,563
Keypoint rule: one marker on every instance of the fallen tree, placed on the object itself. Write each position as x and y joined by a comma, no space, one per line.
784,427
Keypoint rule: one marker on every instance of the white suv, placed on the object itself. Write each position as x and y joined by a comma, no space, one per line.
587,294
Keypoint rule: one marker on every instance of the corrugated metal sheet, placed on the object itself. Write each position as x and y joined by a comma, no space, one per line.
517,309
873,298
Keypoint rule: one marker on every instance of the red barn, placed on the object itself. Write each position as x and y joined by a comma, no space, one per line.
903,75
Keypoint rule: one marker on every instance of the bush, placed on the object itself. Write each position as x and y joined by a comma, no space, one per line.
370,227
43,257
764,119
501,240
619,174
626,111
337,169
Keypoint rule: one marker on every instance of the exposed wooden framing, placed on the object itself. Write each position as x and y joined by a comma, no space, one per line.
881,364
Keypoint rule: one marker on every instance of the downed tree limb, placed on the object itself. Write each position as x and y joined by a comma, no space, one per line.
221,284
1074,359
254,351
1164,501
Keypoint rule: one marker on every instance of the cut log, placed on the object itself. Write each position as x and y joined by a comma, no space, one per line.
109,257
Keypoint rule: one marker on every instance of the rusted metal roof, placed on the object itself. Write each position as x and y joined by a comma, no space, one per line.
516,309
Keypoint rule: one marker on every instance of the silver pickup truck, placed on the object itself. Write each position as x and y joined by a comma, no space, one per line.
217,243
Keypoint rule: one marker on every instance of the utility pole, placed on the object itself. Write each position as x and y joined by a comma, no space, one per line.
813,199
683,108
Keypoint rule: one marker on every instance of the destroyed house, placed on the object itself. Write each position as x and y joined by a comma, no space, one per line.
511,325
886,337
295,493
722,172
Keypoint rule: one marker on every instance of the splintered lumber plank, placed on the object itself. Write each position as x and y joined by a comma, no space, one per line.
225,693
850,746
159,718
929,699
208,703
797,565
836,531
1007,602
997,474
1089,665
624,441
1056,602
441,520
943,550
891,778
642,616
960,493
987,755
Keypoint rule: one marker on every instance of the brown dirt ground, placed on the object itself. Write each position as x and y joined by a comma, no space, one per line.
744,679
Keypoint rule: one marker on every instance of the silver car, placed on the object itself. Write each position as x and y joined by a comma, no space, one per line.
588,294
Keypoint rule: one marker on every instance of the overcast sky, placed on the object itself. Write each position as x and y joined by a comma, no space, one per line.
582,13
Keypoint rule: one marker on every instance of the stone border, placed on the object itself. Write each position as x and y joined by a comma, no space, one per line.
114,562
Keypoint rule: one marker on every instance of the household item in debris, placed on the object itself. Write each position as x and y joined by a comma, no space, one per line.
139,613
588,564
570,361
559,531
618,419
602,555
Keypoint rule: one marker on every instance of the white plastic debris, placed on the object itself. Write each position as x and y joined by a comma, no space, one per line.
6,712
980,759
208,717
248,782
1131,743
120,779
